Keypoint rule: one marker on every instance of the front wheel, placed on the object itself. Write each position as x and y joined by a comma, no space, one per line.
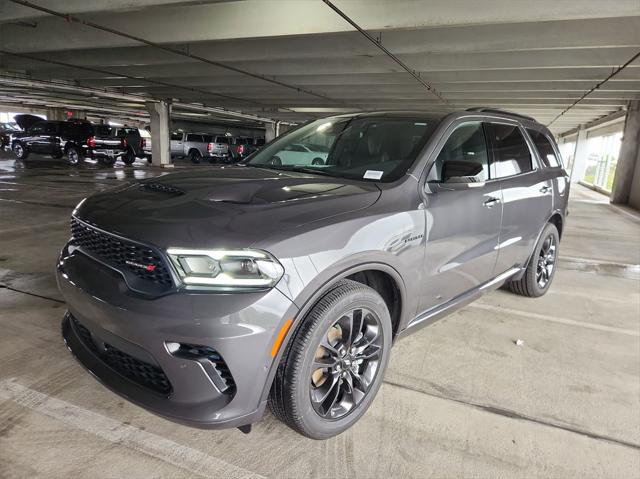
317,161
541,267
20,151
334,366
73,155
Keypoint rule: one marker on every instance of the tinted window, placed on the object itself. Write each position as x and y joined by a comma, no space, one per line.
465,148
37,128
50,129
511,154
546,151
83,130
176,136
222,139
197,138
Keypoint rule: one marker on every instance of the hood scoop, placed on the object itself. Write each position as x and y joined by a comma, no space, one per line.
162,188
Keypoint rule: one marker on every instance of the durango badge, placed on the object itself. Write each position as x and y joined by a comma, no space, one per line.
148,267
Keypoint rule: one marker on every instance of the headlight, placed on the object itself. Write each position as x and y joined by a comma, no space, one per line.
226,268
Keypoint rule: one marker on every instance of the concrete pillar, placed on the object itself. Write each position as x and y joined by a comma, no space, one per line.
580,156
626,179
160,114
270,132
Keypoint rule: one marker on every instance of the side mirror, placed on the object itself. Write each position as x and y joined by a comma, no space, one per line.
456,171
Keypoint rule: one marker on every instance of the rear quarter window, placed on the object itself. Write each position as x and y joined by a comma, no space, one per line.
545,148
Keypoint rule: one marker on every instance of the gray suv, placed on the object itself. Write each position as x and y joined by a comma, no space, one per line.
216,293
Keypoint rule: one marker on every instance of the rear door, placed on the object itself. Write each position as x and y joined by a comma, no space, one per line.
177,146
527,193
32,137
463,216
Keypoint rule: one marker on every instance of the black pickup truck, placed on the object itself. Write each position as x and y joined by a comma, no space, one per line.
75,139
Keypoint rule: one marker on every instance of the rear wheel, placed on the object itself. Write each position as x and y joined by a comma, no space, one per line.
20,151
541,267
195,156
333,368
73,155
317,161
129,157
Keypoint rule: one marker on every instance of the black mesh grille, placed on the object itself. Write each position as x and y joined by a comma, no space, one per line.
138,371
142,261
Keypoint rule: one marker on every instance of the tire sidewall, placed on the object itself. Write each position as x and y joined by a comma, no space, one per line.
70,154
313,425
532,268
19,147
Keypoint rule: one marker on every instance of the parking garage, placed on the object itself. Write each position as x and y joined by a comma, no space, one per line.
504,386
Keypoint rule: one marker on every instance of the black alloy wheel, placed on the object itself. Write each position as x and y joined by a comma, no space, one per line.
346,363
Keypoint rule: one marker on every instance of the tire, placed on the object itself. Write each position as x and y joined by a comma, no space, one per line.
129,158
106,161
541,267
317,161
195,156
20,151
297,380
73,155
276,161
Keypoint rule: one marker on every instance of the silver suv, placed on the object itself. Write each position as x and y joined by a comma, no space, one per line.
216,293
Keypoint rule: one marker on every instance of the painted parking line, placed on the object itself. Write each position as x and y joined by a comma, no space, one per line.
184,457
555,319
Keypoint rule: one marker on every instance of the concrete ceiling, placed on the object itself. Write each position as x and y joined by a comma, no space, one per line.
531,57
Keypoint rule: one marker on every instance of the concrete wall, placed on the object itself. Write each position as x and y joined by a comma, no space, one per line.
626,185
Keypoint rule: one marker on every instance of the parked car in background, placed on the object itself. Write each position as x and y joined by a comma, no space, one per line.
212,294
298,153
197,146
75,139
138,143
240,147
6,130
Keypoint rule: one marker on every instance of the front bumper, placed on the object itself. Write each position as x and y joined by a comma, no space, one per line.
104,316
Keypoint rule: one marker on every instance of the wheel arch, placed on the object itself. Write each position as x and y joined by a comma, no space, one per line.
372,274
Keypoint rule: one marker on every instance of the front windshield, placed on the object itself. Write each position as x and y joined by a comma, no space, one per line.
376,149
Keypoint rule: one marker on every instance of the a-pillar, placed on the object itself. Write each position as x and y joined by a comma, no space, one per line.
626,184
160,115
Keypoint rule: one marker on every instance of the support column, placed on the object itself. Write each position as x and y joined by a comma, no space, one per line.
270,132
580,156
160,115
626,184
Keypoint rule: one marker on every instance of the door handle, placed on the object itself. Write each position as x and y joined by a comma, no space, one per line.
545,189
491,202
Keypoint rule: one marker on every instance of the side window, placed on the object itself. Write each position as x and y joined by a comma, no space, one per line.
544,147
50,129
37,129
511,155
191,137
176,136
463,158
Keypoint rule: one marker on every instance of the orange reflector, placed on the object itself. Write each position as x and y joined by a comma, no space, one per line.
280,338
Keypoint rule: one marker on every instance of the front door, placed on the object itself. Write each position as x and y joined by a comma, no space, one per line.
464,210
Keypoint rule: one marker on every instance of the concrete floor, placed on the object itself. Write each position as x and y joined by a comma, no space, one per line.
460,399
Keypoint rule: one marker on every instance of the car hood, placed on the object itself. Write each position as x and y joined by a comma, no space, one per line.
222,206
26,121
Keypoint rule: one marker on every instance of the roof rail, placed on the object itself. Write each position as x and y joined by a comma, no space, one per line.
485,109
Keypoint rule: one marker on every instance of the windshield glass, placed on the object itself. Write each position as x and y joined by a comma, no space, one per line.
377,149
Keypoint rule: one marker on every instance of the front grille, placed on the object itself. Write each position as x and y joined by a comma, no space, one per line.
138,259
138,371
